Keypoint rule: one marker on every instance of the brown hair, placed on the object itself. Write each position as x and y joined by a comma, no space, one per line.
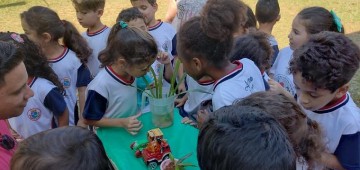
35,62
306,142
43,19
317,19
69,147
10,57
328,60
92,5
267,10
130,14
132,44
210,35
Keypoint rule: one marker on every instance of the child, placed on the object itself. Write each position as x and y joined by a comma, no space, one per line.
88,13
267,14
133,17
243,137
255,47
204,44
14,94
62,148
111,97
250,24
44,27
322,69
304,134
309,21
163,34
48,102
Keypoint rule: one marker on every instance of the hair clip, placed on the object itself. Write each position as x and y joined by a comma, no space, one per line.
337,21
17,38
123,24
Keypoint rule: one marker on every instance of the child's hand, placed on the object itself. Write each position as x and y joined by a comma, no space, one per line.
15,135
132,124
276,87
187,120
181,101
163,58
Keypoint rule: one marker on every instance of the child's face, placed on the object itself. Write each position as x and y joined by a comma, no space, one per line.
192,67
138,70
88,18
146,9
310,97
139,23
31,34
298,35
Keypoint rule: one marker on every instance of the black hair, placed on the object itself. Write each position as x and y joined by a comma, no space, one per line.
328,60
254,46
251,19
242,137
317,19
132,44
10,57
210,36
68,147
267,10
129,14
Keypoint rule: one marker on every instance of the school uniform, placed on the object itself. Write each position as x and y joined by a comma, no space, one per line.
244,80
163,34
280,70
41,109
72,74
274,45
340,123
97,42
110,96
195,98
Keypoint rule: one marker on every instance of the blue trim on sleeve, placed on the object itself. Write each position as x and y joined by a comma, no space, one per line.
95,106
174,50
83,76
55,102
266,84
275,54
348,151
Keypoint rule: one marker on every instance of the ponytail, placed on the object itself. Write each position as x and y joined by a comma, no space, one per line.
74,41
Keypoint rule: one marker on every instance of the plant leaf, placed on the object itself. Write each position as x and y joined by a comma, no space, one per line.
184,157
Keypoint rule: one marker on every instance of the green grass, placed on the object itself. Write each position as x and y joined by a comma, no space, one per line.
348,11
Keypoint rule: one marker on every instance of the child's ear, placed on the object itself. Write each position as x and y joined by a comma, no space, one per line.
46,37
342,90
197,63
100,12
121,62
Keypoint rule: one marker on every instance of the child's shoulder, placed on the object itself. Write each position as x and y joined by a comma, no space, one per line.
163,27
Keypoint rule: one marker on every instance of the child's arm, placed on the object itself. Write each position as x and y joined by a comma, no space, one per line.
55,102
164,58
171,12
83,79
277,88
330,161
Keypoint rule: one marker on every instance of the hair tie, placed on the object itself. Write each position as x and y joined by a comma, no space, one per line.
16,37
123,24
336,20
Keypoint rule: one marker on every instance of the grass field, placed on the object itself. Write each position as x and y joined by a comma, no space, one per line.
348,11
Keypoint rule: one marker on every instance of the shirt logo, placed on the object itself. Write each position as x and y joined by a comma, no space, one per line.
34,114
66,82
249,84
285,82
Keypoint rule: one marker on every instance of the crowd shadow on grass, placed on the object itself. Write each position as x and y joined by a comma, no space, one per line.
12,4
355,82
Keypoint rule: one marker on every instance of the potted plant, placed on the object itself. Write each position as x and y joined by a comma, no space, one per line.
175,164
161,103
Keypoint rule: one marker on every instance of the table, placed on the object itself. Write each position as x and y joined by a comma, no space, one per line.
182,139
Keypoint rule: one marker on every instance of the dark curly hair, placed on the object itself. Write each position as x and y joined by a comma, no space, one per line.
329,60
129,14
254,46
35,62
43,19
210,36
307,142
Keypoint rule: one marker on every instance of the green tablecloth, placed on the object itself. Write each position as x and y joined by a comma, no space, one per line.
182,139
